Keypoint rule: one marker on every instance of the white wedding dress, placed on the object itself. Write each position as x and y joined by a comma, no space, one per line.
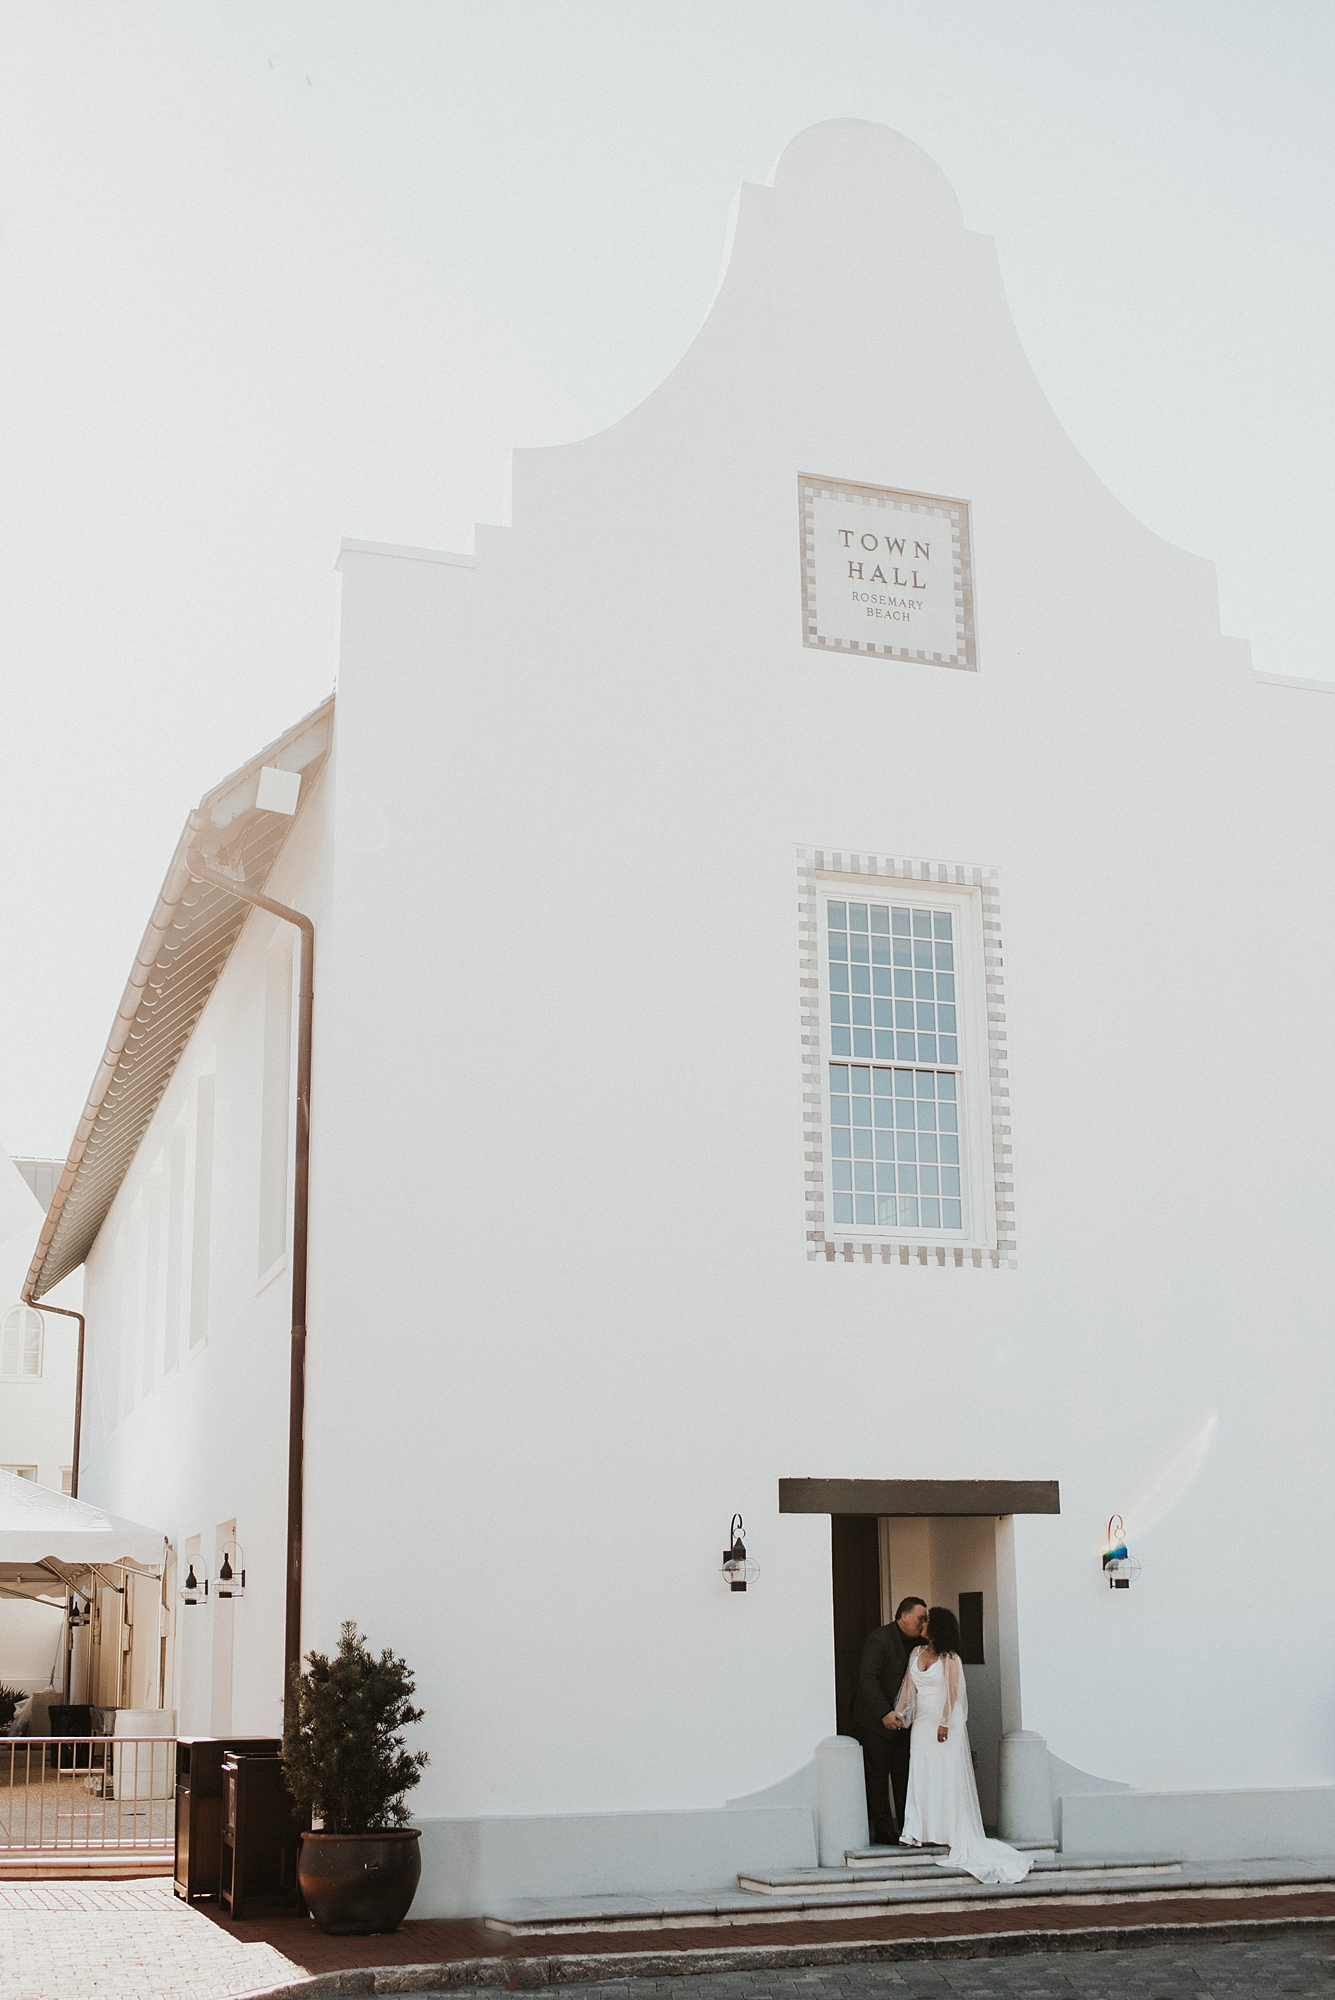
942,1805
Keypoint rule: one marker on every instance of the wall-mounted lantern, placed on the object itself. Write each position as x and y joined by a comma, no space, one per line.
232,1575
1120,1568
193,1591
78,1614
737,1567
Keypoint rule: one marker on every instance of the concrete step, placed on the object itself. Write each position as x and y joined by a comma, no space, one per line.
89,1864
869,1857
1048,1872
846,1895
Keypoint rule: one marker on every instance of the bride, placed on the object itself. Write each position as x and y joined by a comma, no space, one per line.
942,1803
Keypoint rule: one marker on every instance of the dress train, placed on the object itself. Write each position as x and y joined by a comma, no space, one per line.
942,1806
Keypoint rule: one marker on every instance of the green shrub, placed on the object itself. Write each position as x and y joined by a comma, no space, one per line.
343,1755
9,1704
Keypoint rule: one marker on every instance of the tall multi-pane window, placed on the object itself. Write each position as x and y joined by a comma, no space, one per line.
894,1067
202,1223
275,1105
171,1332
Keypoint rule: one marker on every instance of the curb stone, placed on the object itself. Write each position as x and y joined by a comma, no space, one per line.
590,1969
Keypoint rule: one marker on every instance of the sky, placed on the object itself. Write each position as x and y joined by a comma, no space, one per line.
272,273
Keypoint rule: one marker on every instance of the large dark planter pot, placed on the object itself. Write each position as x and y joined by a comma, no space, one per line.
358,1884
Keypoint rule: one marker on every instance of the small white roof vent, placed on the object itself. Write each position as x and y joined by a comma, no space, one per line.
278,790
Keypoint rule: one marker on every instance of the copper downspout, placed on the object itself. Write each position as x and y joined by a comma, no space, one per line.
201,872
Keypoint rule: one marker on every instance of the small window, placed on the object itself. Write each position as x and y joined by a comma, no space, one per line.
23,1471
21,1333
67,1479
971,1629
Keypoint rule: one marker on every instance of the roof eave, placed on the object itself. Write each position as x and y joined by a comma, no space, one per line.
227,819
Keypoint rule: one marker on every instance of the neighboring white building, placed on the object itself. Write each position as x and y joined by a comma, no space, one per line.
38,1349
38,1357
801,1029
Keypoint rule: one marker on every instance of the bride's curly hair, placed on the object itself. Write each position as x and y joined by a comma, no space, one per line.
943,1630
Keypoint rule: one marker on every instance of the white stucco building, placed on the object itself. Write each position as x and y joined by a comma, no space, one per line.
38,1362
823,956
38,1349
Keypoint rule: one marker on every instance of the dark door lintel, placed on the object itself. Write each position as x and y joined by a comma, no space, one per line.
919,1496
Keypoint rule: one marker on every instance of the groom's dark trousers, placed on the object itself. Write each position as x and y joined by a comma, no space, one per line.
885,1752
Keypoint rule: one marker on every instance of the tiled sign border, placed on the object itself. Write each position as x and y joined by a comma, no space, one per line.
810,489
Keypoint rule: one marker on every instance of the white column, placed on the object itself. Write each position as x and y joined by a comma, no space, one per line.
1008,1626
1025,1804
841,1799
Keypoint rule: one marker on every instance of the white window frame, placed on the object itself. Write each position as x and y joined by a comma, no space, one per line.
965,906
273,1180
971,894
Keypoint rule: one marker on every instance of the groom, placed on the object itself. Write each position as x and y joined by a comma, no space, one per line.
885,1747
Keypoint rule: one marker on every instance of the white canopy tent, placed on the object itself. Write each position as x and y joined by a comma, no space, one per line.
49,1541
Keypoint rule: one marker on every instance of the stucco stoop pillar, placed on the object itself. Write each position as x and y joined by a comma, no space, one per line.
841,1799
1025,1802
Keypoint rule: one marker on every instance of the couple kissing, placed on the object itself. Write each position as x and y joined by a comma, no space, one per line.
911,1714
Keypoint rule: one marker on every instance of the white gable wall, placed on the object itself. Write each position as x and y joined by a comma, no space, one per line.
564,1320
566,987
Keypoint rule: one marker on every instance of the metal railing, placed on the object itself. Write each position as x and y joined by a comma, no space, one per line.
84,1793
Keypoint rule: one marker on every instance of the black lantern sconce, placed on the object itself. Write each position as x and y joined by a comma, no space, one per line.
232,1575
79,1614
193,1591
737,1566
1120,1568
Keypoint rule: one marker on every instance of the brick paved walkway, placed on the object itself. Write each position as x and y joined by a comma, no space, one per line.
430,1940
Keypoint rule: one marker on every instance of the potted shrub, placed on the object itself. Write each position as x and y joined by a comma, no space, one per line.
11,1701
345,1764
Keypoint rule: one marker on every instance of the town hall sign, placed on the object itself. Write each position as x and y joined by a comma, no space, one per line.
886,572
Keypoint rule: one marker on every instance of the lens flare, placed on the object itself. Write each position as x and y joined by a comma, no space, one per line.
1160,1492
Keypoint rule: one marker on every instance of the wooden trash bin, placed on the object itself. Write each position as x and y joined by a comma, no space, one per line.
199,1807
260,1836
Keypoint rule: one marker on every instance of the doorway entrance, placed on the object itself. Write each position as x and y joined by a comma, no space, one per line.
859,1604
950,1542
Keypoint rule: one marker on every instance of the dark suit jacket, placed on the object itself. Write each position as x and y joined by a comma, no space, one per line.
885,1661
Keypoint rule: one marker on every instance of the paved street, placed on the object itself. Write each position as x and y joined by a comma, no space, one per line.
1230,1971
